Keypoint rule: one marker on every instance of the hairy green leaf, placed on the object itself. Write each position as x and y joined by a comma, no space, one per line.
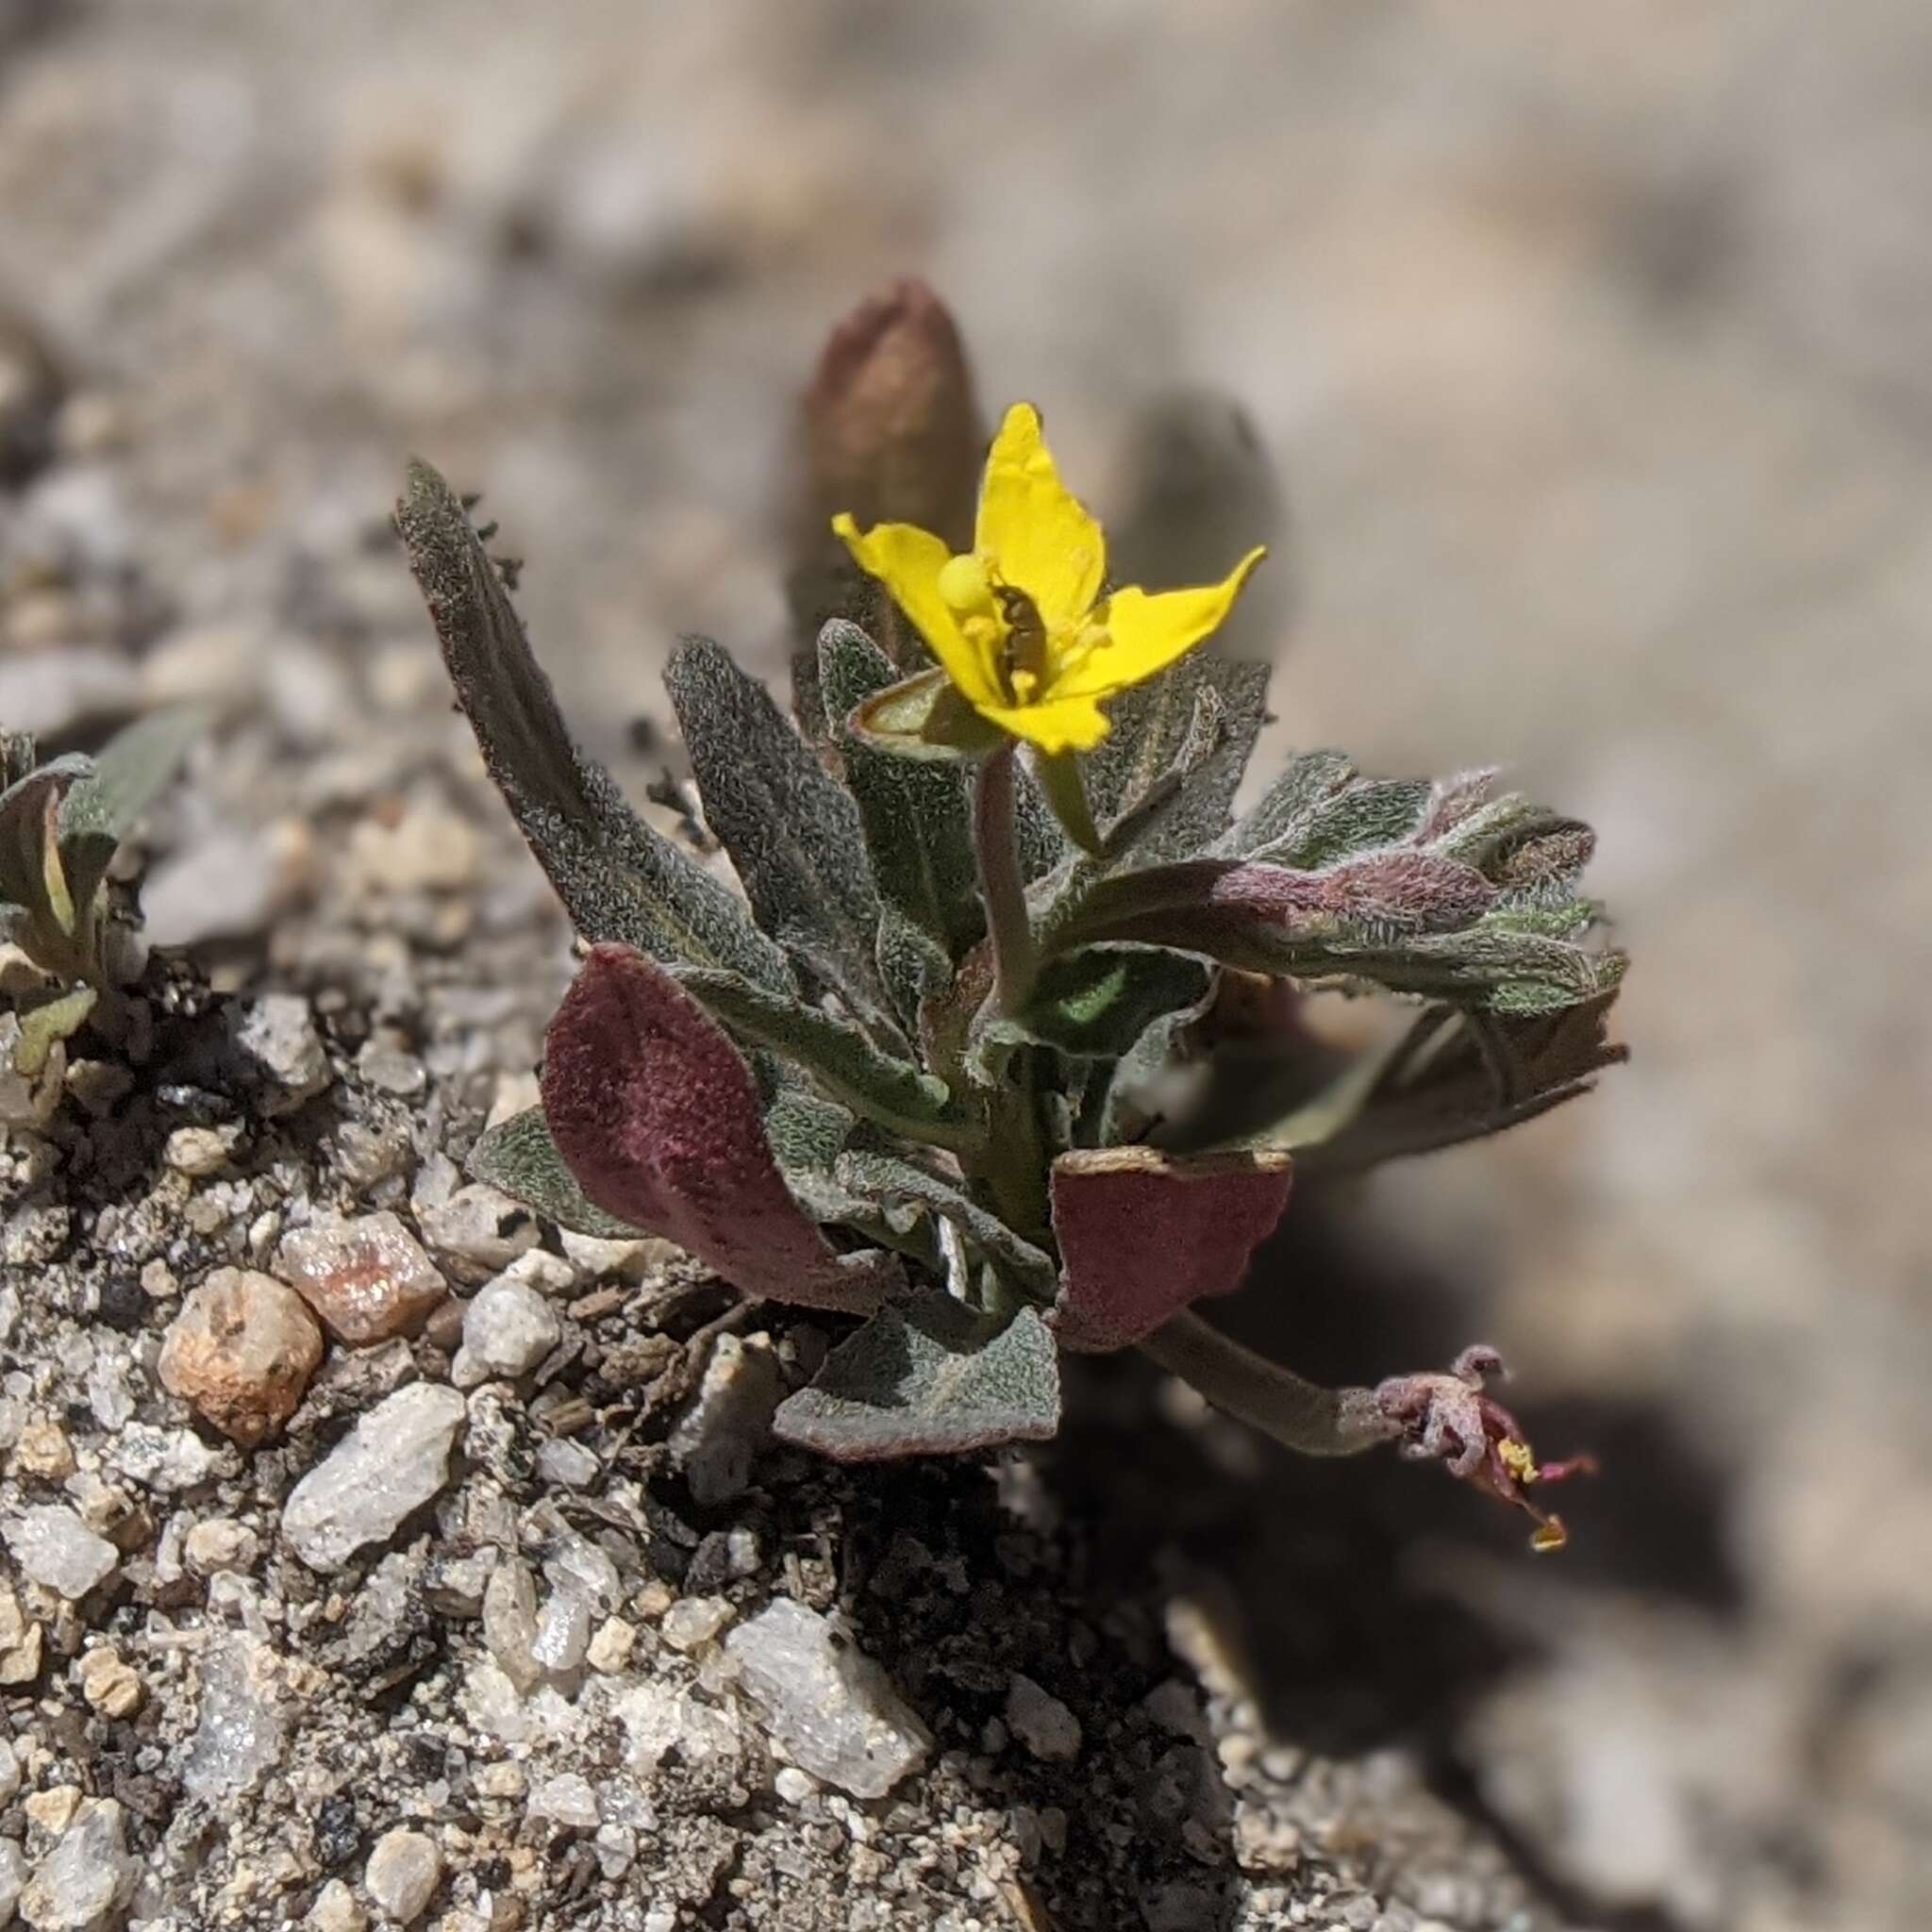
1281,814
29,810
846,1064
619,879
1450,1078
520,1156
1359,818
791,830
1410,922
929,1377
916,813
885,1177
1098,1001
1151,726
128,772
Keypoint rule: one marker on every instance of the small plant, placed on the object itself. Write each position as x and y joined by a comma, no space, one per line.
60,825
1004,1046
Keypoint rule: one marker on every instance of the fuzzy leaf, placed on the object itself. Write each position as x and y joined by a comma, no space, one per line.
29,810
1409,922
617,878
916,816
1361,816
929,1377
1097,1002
520,1156
792,832
1453,1078
1143,1233
1151,726
1281,813
128,772
806,1130
915,966
884,1177
894,1092
657,1117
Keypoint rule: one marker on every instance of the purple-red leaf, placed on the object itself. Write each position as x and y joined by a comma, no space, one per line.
657,1117
1413,892
1143,1233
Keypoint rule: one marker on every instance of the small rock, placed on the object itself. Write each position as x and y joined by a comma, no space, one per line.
20,1641
393,1460
1042,1722
610,1647
85,1883
52,693
388,1069
457,1583
12,1880
718,1440
567,1465
509,1622
29,1104
425,850
9,1773
794,1785
594,1259
367,1278
479,1230
239,1733
276,1034
832,1710
403,1872
566,1799
44,1451
198,1152
335,1910
218,1544
109,1683
241,1351
508,1329
230,885
55,1548
563,1633
694,1621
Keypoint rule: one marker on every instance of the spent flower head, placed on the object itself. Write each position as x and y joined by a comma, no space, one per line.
1023,622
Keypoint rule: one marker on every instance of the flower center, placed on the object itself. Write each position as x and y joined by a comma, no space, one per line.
1002,622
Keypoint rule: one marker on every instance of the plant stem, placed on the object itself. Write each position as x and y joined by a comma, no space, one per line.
997,852
1302,1415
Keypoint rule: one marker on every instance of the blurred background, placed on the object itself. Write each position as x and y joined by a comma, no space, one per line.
1589,348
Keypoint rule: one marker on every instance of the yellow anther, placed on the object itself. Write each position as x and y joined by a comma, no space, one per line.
963,585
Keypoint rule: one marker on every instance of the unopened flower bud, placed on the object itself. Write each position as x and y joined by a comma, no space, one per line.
889,431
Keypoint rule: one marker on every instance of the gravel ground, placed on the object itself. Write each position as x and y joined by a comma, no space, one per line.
1589,350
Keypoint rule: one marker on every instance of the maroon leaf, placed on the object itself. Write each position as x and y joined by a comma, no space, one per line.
1143,1233
657,1117
1414,891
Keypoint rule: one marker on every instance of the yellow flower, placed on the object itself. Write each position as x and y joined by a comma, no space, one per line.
1022,623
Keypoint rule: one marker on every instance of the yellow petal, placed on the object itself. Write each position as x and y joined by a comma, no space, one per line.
1035,532
1147,631
1060,724
907,560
